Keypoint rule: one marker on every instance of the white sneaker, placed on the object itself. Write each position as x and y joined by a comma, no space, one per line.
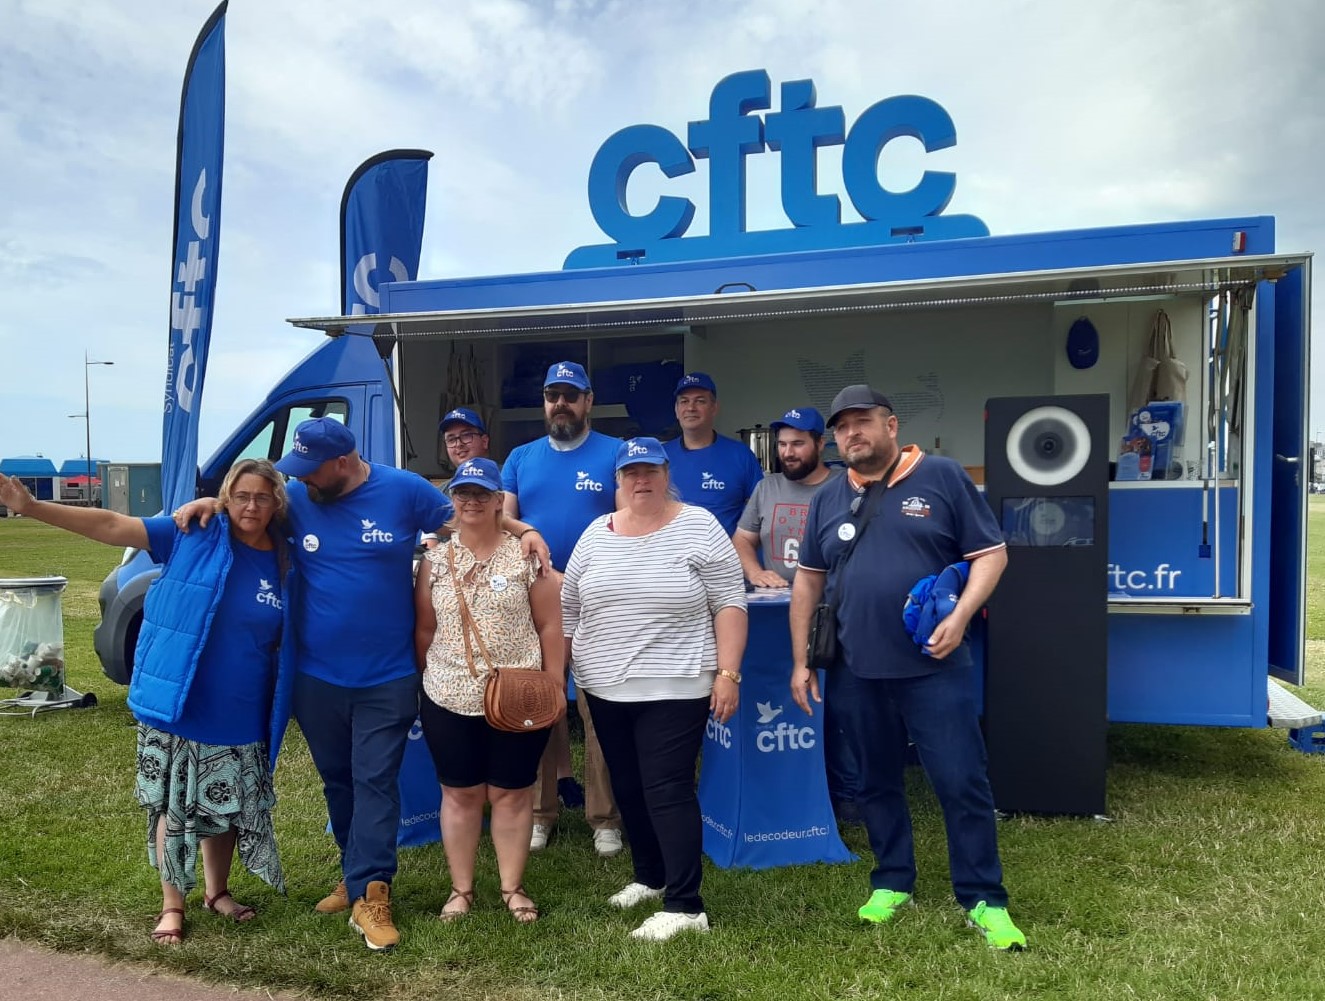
663,925
634,893
538,839
607,842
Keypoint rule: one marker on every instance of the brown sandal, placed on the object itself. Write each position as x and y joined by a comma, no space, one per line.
522,915
240,914
169,936
466,895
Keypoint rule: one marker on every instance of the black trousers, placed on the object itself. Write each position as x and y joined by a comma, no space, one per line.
651,749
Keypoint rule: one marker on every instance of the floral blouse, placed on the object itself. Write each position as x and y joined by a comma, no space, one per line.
497,592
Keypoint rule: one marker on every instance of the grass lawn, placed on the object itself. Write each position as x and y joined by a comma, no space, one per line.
1207,885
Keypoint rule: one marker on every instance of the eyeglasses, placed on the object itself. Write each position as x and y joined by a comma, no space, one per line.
569,395
463,438
471,496
260,500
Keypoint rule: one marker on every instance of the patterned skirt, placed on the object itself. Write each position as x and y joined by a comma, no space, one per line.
204,790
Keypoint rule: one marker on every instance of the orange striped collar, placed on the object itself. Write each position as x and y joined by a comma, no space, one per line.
906,464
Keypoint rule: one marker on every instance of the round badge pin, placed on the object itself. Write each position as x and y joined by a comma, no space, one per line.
498,583
311,543
846,531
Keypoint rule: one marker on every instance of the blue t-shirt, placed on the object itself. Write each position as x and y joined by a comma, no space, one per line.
561,492
229,701
355,617
931,518
720,477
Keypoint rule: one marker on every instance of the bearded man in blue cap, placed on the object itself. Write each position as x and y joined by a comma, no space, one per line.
896,517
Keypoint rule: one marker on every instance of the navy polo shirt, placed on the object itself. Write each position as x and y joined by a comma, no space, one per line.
933,517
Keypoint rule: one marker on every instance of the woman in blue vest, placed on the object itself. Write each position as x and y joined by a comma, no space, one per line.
209,690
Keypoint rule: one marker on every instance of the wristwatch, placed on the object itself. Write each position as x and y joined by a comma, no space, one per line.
730,675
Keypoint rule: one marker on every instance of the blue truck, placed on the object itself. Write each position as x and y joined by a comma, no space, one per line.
1206,578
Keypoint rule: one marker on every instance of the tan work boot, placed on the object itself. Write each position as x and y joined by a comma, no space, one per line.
334,902
371,917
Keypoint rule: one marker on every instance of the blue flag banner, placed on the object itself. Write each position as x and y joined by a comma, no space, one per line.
381,238
381,226
200,150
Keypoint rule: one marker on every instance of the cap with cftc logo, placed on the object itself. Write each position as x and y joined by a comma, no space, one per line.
476,473
316,441
802,419
463,415
695,380
636,450
567,373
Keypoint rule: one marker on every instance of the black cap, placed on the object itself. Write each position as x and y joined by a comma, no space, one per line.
856,398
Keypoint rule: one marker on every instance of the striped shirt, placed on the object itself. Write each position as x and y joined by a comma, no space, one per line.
642,606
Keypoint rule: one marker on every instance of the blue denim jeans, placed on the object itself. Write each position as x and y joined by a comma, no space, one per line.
939,713
841,762
357,739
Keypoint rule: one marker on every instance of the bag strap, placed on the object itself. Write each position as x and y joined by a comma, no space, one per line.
467,622
873,499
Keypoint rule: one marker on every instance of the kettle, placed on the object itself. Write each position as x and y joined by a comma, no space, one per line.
763,443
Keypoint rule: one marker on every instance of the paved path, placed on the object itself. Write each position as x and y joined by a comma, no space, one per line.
31,973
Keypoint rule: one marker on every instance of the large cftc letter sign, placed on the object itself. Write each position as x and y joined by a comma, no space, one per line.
735,130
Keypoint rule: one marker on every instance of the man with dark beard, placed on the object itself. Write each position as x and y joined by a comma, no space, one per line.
559,484
774,517
774,520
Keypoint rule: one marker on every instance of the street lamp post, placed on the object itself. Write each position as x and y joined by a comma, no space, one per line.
87,420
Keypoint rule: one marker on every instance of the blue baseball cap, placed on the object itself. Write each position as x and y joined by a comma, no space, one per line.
802,419
1083,343
463,415
569,373
476,473
695,380
316,441
646,450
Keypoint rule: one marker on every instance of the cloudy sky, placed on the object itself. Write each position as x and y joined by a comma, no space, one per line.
1068,114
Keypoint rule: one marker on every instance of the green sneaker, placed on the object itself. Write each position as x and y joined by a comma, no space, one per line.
996,926
882,905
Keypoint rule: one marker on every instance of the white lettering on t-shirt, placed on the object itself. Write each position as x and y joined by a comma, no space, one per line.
371,533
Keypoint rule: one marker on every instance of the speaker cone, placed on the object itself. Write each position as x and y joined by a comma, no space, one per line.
1047,446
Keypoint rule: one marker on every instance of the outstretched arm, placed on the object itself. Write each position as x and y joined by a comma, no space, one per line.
110,527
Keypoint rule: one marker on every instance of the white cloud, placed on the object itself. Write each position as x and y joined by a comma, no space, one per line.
1068,114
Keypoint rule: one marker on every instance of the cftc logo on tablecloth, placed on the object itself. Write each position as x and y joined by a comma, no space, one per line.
718,733
785,737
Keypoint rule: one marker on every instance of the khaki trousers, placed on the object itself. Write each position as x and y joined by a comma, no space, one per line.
599,807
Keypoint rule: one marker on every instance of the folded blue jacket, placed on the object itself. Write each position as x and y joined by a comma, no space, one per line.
932,600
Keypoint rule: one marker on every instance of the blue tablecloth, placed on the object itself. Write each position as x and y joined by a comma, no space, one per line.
420,793
762,789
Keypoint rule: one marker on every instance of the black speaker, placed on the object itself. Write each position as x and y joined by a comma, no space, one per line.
1046,666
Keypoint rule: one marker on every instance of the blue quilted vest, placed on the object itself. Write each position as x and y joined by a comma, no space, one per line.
177,619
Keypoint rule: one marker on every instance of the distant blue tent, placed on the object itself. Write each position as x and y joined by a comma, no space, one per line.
78,467
37,474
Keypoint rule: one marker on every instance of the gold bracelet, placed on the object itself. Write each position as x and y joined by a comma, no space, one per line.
729,675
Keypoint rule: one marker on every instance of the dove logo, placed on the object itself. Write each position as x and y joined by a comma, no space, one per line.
267,596
718,733
794,414
709,482
786,737
565,372
767,714
584,482
311,543
634,448
371,533
299,445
